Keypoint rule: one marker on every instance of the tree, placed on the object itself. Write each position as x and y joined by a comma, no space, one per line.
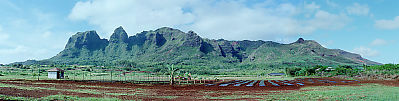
172,69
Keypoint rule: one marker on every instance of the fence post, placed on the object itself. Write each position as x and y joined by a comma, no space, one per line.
33,73
90,77
74,76
38,74
131,77
83,76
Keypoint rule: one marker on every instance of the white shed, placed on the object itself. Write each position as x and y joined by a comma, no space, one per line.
55,73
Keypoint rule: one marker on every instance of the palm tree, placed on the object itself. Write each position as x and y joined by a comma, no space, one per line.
172,71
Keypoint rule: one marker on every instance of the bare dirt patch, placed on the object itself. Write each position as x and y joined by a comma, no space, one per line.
40,93
130,91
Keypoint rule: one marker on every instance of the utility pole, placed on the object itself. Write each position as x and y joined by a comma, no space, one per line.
38,74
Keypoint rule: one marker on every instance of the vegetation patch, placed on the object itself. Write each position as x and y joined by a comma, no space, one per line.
13,98
364,92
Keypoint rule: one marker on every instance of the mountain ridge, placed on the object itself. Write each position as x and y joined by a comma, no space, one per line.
172,46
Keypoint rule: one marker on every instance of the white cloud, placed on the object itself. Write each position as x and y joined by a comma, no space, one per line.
15,50
312,6
46,34
132,14
332,4
8,5
358,9
378,42
232,20
31,36
12,54
364,51
326,20
388,24
22,53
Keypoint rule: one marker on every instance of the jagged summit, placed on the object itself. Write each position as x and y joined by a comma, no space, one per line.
309,43
191,32
168,45
166,29
88,39
119,35
300,40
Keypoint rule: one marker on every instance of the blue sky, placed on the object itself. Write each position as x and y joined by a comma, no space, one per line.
39,29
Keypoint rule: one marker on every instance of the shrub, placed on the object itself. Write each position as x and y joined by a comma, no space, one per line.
323,70
290,71
23,74
382,67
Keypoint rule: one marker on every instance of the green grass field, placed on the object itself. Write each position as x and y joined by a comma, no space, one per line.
363,92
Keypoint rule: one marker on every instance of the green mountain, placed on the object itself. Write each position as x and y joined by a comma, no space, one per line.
172,46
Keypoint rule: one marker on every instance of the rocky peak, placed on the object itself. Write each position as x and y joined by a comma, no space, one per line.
165,29
192,39
191,32
168,31
88,39
307,43
119,35
300,40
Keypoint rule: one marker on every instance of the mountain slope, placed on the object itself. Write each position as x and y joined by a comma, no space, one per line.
166,45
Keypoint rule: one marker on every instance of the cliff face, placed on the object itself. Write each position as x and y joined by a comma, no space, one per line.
88,39
119,36
168,45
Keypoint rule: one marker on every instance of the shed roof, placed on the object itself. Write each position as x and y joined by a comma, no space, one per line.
54,70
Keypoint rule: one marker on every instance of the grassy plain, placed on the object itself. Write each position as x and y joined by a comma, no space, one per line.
60,91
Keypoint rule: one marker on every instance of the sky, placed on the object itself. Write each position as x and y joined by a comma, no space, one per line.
40,29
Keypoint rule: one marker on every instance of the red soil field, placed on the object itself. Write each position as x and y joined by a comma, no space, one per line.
182,92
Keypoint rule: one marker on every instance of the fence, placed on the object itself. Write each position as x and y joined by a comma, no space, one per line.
106,75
